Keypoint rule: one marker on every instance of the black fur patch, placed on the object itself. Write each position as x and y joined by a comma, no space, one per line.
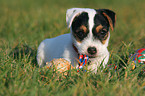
110,13
80,20
103,32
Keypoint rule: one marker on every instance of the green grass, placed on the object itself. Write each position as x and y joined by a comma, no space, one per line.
25,23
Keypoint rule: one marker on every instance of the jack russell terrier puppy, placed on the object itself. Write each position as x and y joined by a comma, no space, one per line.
89,36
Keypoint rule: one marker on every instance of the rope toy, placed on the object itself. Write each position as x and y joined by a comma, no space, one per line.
82,61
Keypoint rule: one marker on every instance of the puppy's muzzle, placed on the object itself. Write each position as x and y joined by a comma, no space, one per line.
92,50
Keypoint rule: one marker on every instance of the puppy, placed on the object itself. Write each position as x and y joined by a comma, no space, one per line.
89,36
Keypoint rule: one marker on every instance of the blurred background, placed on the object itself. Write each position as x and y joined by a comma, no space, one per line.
31,21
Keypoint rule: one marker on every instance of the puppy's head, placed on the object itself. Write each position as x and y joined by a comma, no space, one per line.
90,29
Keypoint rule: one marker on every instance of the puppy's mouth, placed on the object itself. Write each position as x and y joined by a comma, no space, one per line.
92,56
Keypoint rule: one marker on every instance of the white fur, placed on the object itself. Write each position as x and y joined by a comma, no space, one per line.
61,46
58,47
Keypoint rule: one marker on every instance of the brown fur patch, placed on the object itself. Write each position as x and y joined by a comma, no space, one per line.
110,21
98,28
77,38
104,41
105,38
83,28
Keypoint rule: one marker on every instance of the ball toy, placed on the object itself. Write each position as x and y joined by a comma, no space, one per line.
138,58
60,65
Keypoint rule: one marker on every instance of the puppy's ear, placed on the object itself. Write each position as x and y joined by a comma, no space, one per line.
71,14
109,15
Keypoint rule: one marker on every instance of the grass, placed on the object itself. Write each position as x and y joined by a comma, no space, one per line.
25,23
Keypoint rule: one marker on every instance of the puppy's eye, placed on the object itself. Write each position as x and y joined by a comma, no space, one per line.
80,33
103,32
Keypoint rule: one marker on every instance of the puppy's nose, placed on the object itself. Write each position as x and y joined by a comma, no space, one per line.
92,50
